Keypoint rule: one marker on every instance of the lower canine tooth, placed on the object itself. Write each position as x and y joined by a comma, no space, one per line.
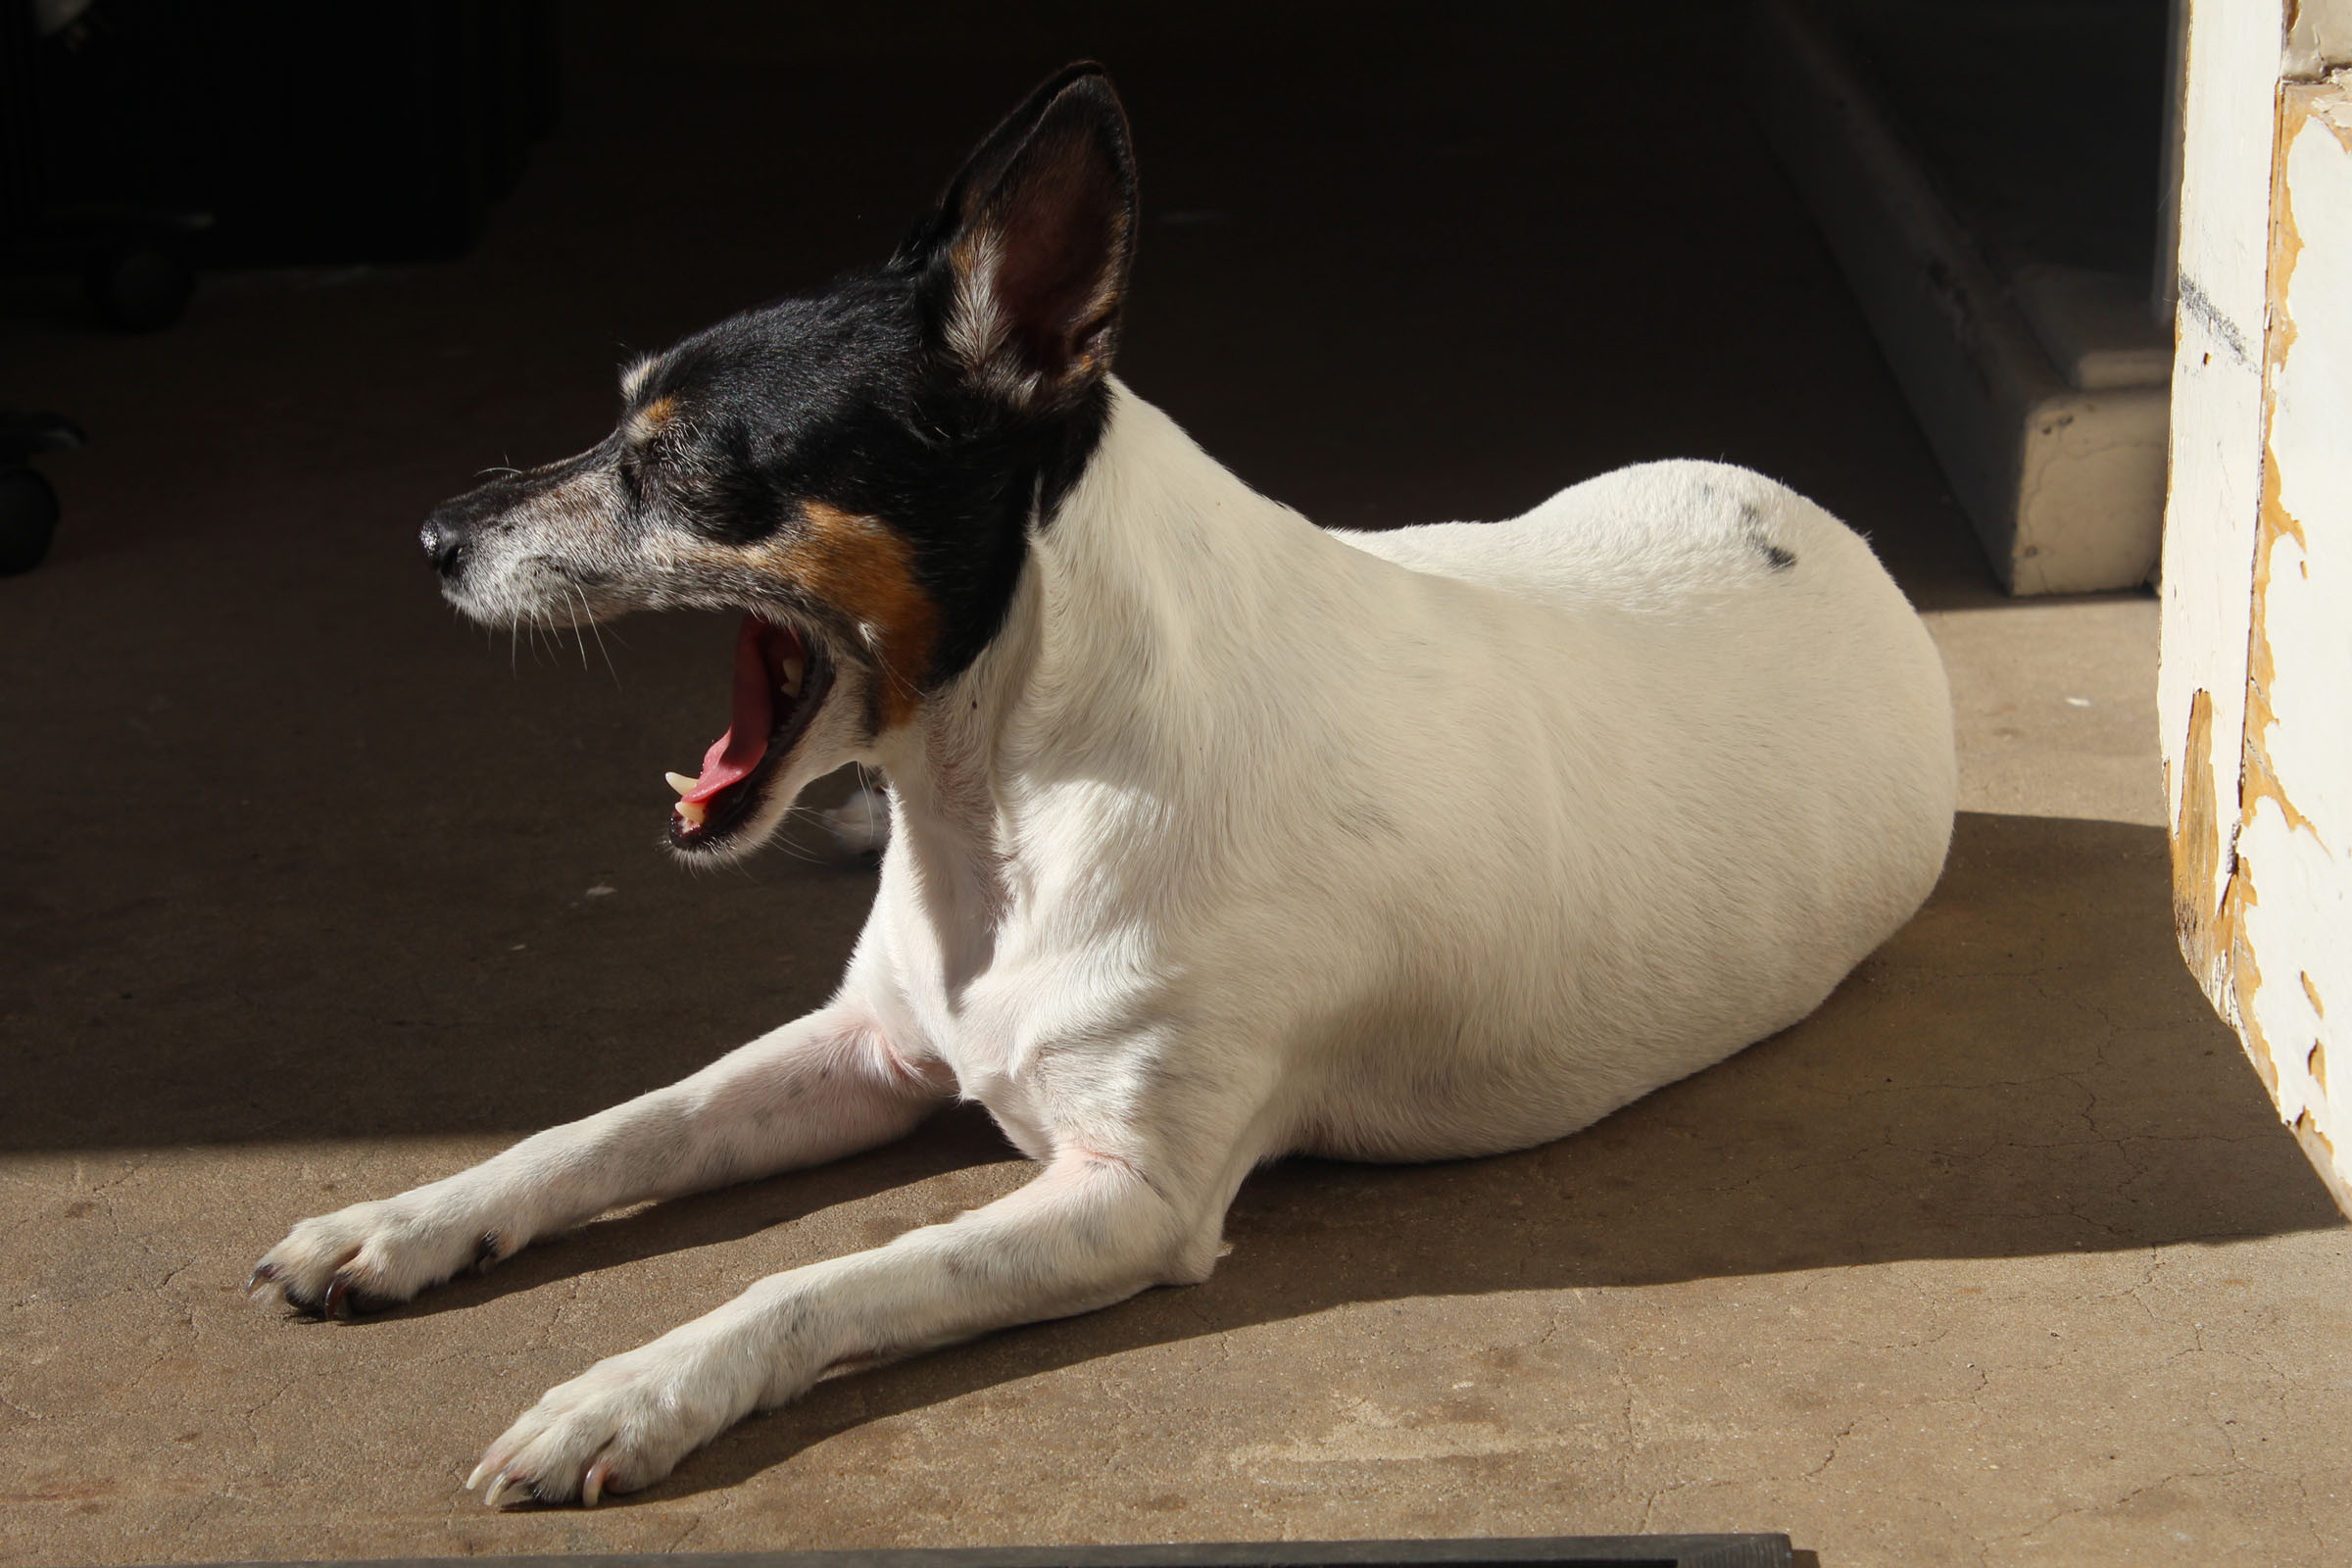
792,677
680,782
690,813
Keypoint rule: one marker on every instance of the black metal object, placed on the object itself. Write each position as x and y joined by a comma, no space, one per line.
1516,1551
28,506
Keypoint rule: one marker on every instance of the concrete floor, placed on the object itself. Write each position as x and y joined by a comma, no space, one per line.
311,895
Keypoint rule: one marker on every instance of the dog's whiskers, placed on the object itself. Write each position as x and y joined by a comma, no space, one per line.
575,633
794,816
598,635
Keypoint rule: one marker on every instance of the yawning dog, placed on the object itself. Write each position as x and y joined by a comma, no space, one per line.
1214,836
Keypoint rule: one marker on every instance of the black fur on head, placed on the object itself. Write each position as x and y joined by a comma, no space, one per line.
947,395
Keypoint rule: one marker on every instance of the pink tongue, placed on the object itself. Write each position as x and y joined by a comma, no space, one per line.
734,754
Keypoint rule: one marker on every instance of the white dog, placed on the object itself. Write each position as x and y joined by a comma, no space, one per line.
1214,837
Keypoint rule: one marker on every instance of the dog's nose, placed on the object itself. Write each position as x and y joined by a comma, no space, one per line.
445,543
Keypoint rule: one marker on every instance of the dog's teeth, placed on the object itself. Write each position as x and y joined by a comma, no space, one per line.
691,812
792,675
680,782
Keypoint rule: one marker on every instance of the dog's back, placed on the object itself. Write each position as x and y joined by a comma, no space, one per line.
1698,763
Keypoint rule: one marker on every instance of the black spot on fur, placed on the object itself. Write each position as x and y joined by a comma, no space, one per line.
1777,557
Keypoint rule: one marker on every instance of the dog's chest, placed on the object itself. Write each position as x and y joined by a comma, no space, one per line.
962,1000
982,1038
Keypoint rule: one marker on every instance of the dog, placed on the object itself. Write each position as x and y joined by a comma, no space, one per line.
1213,836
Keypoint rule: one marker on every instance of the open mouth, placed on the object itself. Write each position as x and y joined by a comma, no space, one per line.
781,679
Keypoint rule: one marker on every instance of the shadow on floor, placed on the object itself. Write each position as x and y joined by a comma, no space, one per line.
2026,1069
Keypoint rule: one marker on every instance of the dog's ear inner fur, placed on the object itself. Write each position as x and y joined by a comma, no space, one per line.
1028,253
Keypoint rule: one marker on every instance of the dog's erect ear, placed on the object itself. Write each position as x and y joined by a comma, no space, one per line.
1027,255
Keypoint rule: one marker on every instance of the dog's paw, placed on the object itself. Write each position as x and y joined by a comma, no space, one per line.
623,1424
370,1256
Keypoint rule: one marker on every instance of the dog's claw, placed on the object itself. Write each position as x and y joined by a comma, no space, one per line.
263,1274
622,1425
338,1299
489,1253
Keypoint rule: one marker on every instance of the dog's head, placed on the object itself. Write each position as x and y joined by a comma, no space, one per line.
855,470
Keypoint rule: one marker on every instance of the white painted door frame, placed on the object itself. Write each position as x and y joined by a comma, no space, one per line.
2255,685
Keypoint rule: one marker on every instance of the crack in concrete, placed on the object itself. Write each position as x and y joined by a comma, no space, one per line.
2311,1520
2120,1503
1885,1141
253,1432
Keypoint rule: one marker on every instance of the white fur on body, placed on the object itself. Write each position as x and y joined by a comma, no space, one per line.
1247,838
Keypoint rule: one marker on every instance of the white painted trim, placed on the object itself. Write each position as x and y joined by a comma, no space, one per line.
2258,563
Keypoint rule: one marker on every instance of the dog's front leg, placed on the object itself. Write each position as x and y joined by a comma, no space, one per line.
815,1090
1087,1232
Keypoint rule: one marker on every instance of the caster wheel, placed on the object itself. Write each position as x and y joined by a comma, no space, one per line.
140,290
27,520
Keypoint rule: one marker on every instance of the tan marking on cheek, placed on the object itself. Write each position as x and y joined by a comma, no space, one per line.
861,568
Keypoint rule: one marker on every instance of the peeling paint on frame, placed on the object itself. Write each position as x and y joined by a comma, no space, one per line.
2291,734
2297,741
